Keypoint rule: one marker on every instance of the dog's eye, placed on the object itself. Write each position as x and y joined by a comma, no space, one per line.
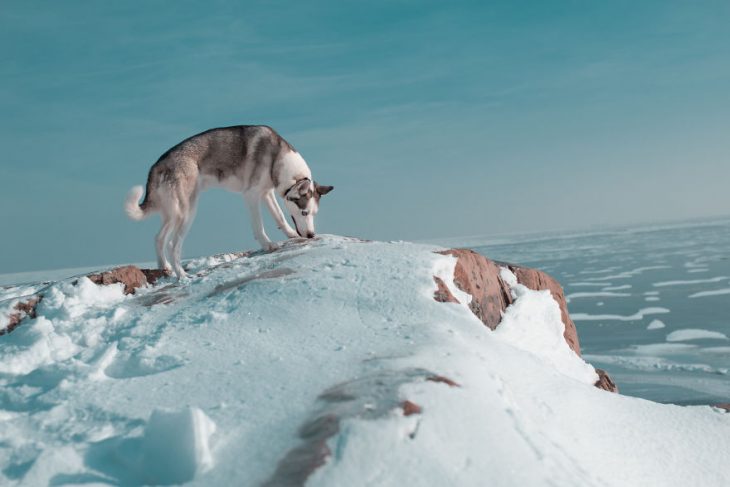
305,213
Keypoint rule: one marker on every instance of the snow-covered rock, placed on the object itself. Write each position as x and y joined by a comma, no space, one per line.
325,363
490,295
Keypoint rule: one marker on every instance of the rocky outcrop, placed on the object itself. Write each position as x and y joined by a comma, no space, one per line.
480,277
22,310
410,408
130,276
605,382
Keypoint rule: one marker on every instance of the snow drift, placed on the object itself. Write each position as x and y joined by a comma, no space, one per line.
326,363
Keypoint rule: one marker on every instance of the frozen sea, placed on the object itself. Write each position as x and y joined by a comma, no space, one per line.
652,305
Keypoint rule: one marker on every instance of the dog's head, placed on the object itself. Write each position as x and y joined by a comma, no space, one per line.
302,201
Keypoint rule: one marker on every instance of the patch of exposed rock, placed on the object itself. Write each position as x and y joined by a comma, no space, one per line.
442,293
605,382
24,309
130,276
370,397
479,277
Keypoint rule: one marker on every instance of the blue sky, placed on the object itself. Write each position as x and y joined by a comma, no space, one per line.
432,119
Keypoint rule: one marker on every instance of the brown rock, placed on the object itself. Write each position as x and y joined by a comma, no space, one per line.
24,309
725,406
300,462
442,379
442,294
605,382
409,408
153,275
131,276
479,276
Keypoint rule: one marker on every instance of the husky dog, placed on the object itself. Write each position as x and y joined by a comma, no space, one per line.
250,159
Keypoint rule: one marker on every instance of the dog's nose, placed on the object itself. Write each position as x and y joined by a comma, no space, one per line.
310,234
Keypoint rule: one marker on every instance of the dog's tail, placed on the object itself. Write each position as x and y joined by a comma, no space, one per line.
134,210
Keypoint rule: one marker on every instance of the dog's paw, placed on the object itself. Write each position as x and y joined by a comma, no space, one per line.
269,246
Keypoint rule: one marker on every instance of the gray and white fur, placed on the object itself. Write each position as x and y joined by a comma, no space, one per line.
252,160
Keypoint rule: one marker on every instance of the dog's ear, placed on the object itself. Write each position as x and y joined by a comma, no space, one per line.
323,190
299,189
304,186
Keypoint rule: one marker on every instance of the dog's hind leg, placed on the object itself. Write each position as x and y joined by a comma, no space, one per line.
185,199
254,208
187,215
178,231
278,215
161,241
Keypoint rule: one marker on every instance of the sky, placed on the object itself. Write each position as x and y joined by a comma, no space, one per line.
431,119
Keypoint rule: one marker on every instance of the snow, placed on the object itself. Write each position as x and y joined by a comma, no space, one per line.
598,271
691,281
546,341
629,274
694,334
654,363
601,294
655,325
607,317
714,292
255,364
722,350
617,288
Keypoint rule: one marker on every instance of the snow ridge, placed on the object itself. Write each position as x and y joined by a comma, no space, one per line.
326,363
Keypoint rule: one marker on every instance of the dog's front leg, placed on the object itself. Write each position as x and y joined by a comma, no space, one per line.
254,208
278,215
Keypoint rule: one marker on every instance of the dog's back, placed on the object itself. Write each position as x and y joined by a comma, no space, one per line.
238,158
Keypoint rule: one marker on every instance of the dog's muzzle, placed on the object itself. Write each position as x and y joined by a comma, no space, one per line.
296,227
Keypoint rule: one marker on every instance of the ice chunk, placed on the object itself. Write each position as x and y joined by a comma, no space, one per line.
714,292
601,294
636,316
692,281
694,334
655,325
176,445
